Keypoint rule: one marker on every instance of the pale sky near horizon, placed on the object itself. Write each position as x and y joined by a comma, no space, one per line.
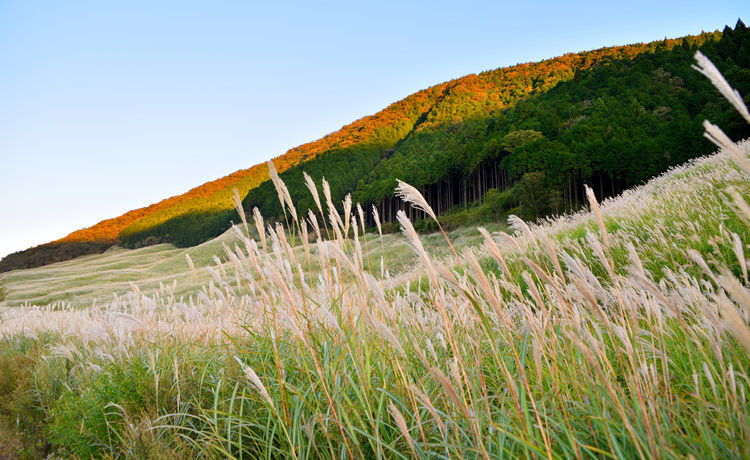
110,106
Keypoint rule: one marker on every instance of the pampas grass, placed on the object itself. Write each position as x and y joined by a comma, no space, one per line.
565,339
707,68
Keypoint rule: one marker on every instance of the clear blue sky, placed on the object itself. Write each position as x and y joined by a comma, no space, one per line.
108,106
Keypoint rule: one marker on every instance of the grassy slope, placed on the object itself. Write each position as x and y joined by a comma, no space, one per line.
96,278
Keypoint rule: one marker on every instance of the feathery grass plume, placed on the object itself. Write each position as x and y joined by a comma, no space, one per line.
361,214
275,179
481,280
255,380
336,223
721,140
701,262
327,193
284,197
376,217
707,68
733,322
314,222
238,206
425,400
291,256
347,212
401,423
386,333
411,195
192,267
519,226
408,229
333,213
314,191
740,294
305,239
739,252
450,390
494,250
740,205
333,251
510,240
357,245
259,226
598,213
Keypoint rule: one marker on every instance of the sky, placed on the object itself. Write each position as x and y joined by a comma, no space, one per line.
108,106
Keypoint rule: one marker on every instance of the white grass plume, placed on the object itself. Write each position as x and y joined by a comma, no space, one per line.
192,266
401,423
255,380
408,229
314,191
284,197
376,217
598,213
314,222
707,68
276,180
238,206
411,195
258,218
347,212
714,134
361,214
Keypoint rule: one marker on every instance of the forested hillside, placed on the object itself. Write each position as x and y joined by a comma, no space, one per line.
531,135
611,118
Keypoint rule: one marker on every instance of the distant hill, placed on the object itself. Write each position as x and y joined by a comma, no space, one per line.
523,139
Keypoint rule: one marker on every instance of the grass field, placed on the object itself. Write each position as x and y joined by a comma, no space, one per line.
95,279
617,332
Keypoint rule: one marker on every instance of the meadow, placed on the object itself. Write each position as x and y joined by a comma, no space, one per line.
620,331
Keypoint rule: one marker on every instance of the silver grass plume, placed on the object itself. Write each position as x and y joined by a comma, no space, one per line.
327,193
714,134
192,267
276,183
707,68
333,214
314,191
314,222
361,214
410,194
284,197
733,322
305,238
238,206
255,380
347,212
401,424
408,229
597,212
258,218
376,216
